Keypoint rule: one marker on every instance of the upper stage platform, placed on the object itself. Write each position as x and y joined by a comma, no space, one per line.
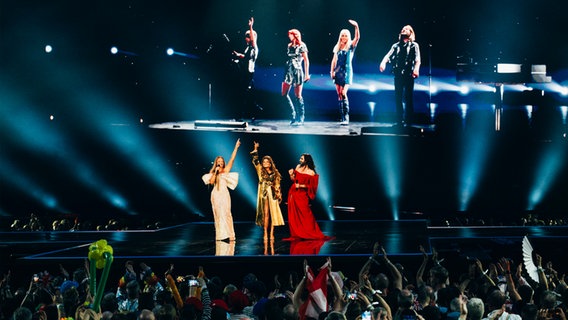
309,127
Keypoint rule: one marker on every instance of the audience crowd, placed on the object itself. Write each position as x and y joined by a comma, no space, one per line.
380,289
74,223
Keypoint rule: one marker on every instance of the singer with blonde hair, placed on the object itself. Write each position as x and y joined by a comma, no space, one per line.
221,180
341,68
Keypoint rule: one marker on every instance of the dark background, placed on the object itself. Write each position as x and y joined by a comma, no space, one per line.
97,97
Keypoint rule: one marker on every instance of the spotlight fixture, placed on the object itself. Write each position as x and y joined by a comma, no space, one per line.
171,52
48,49
116,50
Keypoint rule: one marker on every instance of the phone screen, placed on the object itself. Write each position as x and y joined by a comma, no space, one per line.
366,315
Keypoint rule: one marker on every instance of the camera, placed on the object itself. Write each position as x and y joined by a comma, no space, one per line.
193,283
366,315
352,296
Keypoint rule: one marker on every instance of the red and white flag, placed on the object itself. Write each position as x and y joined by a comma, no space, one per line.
317,298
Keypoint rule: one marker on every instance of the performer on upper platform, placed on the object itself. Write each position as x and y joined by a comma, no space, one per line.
405,59
296,76
222,180
341,68
247,61
268,213
303,225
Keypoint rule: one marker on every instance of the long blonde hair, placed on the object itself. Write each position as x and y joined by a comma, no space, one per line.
215,164
349,40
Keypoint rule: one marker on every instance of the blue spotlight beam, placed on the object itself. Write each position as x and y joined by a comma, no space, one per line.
389,158
551,162
474,154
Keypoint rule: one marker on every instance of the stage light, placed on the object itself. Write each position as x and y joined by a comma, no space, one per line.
564,112
433,89
474,154
40,137
556,87
48,49
508,68
19,178
551,162
529,109
372,105
464,90
51,117
171,52
115,50
463,110
432,107
388,155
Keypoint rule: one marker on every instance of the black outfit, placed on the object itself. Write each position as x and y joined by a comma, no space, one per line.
403,57
246,70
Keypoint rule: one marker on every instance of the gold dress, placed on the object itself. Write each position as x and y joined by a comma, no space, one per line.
268,183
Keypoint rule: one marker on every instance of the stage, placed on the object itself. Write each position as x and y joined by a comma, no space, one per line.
190,245
157,170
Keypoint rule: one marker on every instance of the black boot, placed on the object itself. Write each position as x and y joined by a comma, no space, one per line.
341,115
301,111
344,112
292,109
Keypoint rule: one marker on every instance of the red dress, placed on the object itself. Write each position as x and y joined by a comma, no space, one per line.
303,225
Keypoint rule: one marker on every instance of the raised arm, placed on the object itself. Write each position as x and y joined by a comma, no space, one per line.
483,273
511,288
367,266
541,275
357,35
297,297
338,292
377,295
422,268
255,150
395,273
233,156
251,31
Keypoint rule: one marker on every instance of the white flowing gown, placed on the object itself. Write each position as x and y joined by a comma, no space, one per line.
221,204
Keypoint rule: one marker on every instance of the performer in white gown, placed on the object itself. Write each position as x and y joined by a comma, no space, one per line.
221,180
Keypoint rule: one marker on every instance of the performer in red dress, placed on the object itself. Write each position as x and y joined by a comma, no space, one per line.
303,225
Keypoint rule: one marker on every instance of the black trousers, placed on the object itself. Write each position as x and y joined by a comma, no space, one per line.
404,93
